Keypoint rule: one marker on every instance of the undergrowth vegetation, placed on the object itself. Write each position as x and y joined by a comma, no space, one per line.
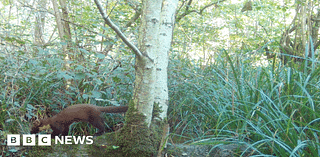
272,109
35,86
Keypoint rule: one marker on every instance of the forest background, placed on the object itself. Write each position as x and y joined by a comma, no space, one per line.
239,71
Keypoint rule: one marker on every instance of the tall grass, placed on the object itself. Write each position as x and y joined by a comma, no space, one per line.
271,109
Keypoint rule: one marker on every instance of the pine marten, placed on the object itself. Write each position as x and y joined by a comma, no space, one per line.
81,112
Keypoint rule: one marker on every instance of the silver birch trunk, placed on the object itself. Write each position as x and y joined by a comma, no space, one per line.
145,67
152,56
167,20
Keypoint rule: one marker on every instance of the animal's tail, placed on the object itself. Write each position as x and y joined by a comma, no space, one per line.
113,109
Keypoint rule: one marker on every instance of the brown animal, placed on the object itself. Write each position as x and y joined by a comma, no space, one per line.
81,112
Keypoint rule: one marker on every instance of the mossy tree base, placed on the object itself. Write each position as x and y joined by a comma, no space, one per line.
135,139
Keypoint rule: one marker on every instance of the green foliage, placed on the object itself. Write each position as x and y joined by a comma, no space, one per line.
36,82
3,115
37,87
271,108
32,83
136,138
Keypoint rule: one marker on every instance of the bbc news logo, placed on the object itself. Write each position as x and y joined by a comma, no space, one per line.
45,140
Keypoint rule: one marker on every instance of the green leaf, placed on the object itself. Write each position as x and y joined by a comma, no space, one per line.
28,115
85,96
9,120
30,107
79,67
96,94
84,51
115,147
116,79
80,76
101,56
13,150
64,75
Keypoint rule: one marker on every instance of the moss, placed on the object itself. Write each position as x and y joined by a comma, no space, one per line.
174,151
135,139
39,151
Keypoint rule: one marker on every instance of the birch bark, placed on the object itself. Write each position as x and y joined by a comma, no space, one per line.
167,20
145,67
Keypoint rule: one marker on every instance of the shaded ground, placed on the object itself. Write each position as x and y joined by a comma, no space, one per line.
103,142
220,150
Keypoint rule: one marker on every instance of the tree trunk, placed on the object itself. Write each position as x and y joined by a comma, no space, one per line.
64,33
296,38
39,23
167,20
65,19
59,23
138,137
145,68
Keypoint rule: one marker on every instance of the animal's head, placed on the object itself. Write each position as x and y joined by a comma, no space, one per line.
38,127
35,127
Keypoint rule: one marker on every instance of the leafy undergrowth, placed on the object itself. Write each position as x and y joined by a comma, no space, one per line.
38,87
270,108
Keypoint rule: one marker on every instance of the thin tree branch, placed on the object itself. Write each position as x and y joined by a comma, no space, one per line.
117,30
187,11
75,24
178,10
134,18
188,5
207,6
